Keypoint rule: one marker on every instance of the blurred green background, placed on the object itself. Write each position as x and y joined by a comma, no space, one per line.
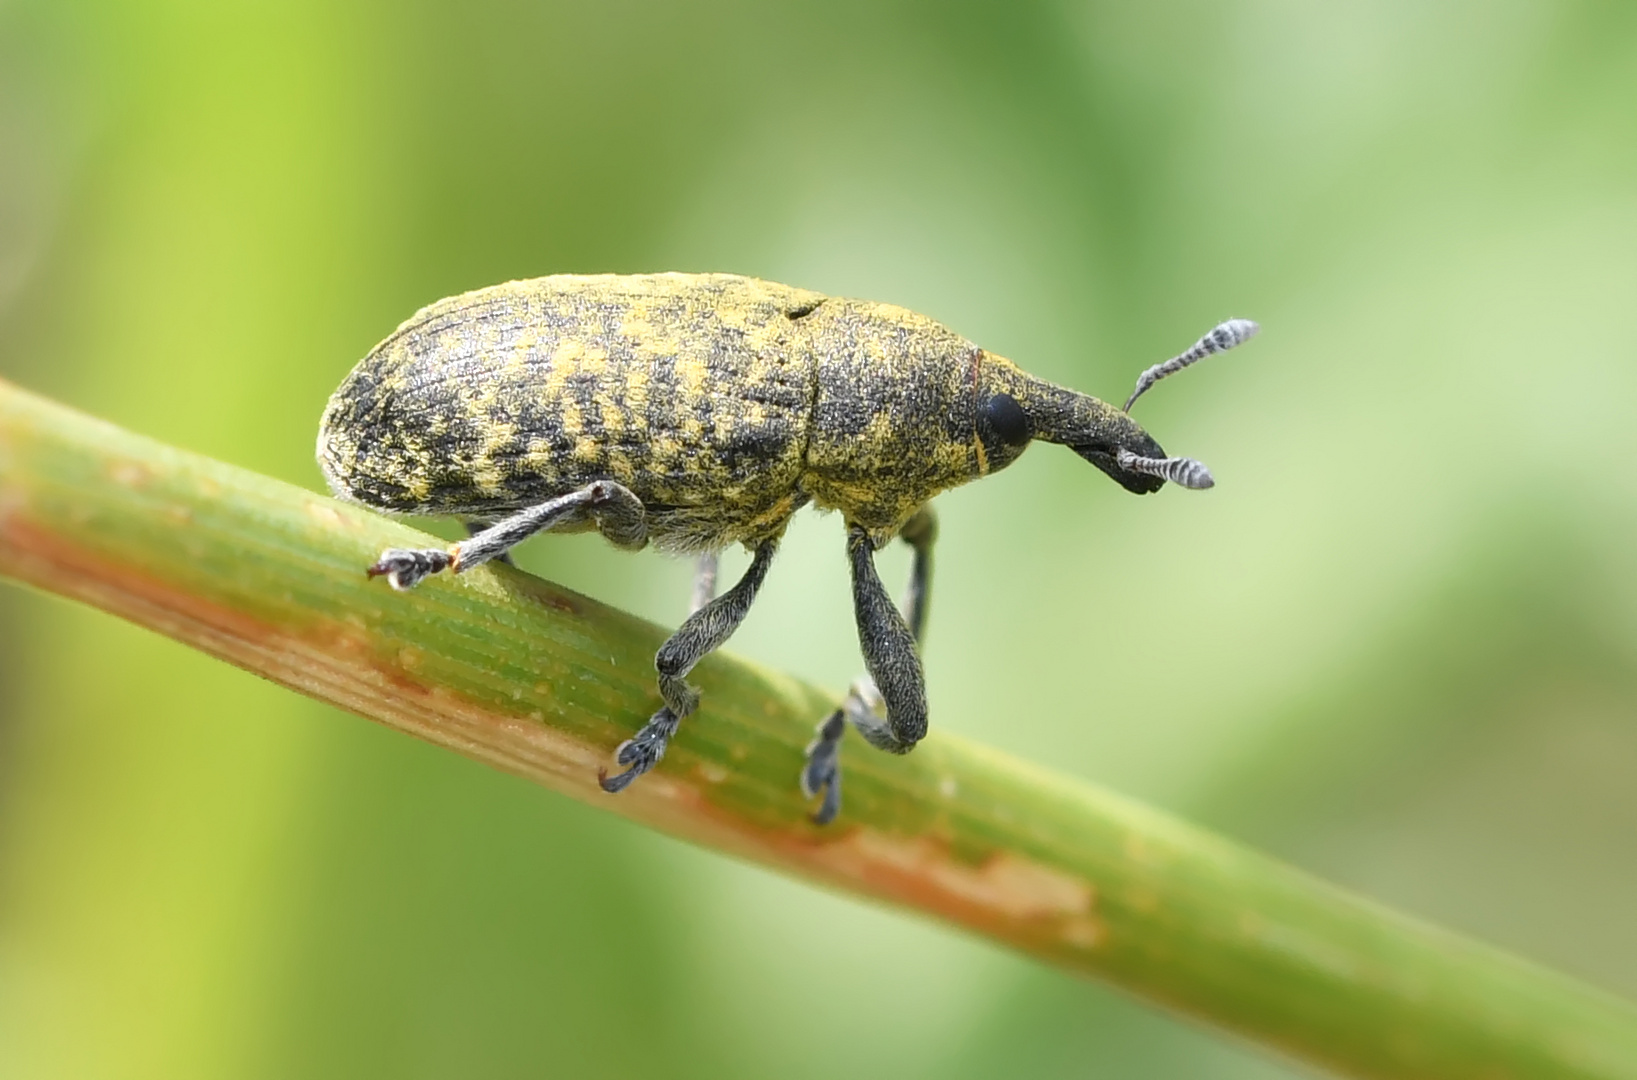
1396,645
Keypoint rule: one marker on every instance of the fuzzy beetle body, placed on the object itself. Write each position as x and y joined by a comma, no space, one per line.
695,412
723,403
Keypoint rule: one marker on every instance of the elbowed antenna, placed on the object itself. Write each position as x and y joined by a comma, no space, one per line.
1184,472
1224,337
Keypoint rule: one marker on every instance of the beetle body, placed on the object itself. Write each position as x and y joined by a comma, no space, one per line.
723,403
699,411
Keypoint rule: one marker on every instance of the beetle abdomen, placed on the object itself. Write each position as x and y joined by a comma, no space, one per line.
684,388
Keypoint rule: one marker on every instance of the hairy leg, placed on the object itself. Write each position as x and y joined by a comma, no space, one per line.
475,526
705,630
618,513
887,706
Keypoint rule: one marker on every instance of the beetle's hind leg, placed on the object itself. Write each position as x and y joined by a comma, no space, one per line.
618,513
703,631
894,686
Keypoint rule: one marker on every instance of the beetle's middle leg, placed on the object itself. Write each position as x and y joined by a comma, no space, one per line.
618,513
705,630
704,580
895,683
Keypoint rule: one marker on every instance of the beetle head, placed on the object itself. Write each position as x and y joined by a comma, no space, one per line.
1014,407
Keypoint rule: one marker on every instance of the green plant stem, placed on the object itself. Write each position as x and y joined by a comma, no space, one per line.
541,682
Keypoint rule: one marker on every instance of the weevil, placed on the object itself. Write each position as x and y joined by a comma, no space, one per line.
698,411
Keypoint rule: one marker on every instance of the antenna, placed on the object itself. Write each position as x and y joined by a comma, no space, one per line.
1224,337
1181,471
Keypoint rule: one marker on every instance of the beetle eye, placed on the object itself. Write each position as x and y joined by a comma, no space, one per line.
1007,419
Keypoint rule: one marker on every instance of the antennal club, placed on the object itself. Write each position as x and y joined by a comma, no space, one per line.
1224,337
1181,471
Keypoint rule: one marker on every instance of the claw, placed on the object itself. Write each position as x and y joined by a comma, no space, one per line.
641,752
822,754
822,773
831,806
618,783
404,568
813,778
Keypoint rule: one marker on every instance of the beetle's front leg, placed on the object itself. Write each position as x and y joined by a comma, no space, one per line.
705,630
895,683
475,526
